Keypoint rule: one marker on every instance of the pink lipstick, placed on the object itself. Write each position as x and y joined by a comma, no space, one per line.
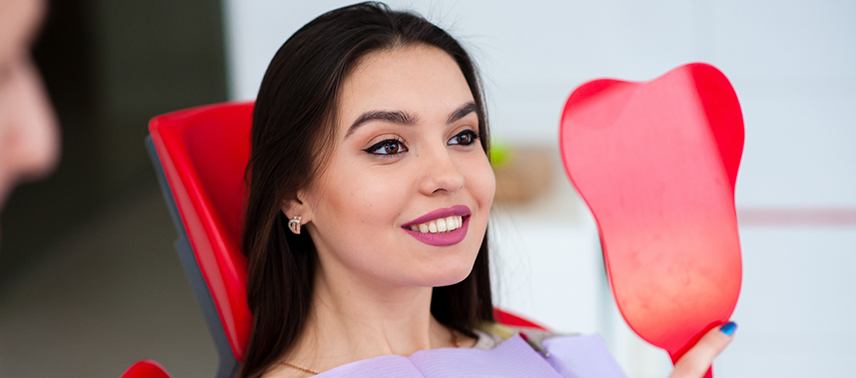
442,237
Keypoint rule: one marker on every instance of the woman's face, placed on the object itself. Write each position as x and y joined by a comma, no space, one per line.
407,163
28,141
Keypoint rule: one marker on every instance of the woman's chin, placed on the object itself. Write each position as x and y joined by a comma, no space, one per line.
449,275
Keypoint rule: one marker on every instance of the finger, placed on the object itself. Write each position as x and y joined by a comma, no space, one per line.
697,360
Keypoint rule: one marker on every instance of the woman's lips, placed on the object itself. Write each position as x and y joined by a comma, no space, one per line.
437,219
457,210
442,239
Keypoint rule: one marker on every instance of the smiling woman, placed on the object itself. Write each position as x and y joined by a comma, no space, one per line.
366,223
369,132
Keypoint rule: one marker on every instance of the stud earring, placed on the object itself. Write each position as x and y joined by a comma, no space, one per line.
294,225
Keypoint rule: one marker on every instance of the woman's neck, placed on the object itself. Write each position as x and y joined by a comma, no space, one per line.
353,319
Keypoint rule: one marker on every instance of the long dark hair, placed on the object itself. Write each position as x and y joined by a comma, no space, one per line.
292,122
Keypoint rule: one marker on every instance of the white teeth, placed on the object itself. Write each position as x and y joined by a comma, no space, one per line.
439,225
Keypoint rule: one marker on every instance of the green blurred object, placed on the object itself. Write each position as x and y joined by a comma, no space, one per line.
499,154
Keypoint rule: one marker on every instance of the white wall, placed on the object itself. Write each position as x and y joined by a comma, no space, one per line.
793,64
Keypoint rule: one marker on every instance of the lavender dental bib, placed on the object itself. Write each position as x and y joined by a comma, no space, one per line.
569,356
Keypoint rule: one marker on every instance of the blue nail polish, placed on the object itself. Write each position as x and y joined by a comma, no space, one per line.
728,328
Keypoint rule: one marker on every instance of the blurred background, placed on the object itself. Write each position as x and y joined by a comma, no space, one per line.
90,283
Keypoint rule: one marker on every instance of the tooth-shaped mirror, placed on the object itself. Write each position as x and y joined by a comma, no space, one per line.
656,162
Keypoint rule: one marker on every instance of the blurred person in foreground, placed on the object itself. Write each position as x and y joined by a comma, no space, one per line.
28,137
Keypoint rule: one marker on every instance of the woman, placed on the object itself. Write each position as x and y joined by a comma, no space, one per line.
28,136
370,189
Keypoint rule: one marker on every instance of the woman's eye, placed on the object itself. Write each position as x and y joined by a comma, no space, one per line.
464,138
387,147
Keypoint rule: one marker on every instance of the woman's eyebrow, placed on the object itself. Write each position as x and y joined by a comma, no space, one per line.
404,118
462,112
396,116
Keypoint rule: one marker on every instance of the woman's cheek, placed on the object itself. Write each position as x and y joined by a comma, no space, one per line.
374,198
484,182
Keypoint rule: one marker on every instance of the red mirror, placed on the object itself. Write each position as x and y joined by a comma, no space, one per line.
657,162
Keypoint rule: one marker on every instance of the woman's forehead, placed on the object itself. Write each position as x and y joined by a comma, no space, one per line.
418,79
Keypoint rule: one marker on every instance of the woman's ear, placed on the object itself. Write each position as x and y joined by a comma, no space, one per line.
297,207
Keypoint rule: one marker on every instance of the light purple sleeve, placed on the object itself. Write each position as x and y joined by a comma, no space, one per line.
581,357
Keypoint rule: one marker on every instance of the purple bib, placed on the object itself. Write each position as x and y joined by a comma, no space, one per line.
568,356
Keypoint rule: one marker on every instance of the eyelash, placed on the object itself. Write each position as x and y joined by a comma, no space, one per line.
471,134
387,143
393,142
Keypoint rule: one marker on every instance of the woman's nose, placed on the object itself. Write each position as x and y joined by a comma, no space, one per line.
441,172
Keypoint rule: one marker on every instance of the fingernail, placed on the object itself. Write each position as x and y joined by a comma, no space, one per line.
728,328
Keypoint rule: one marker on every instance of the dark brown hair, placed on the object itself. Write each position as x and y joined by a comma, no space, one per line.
292,121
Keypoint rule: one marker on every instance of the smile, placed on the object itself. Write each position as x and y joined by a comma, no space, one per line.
441,227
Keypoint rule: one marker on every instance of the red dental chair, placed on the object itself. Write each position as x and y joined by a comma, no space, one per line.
200,155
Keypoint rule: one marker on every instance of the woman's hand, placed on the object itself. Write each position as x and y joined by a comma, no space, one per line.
697,360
